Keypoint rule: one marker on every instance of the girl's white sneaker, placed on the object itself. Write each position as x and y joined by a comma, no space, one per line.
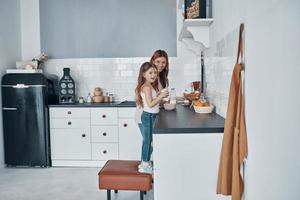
146,169
145,164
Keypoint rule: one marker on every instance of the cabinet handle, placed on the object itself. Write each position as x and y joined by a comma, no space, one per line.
104,134
83,135
69,123
69,112
103,116
125,125
105,152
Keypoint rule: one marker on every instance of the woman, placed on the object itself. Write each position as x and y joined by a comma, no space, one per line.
161,60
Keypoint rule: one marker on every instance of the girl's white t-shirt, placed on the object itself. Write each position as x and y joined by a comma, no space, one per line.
154,109
139,110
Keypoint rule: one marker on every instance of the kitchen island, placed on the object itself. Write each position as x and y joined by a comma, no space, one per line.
186,149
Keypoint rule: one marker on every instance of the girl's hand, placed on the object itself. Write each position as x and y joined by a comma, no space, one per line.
163,94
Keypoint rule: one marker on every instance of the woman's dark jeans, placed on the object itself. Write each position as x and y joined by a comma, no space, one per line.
146,128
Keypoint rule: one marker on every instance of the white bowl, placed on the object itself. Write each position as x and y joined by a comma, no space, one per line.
169,106
204,109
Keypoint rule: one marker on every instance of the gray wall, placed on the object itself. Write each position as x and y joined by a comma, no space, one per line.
101,28
10,46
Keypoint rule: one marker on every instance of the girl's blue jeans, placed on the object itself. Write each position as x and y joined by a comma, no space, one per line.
146,128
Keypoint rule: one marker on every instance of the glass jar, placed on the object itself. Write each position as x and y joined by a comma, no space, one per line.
172,96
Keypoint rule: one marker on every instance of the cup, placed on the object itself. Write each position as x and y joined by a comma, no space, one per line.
166,99
81,100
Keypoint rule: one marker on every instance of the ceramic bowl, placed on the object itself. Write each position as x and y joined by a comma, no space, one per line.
204,109
169,106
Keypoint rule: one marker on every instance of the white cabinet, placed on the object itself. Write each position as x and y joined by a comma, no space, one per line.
69,113
90,136
186,166
104,126
130,139
70,123
105,134
70,135
70,144
105,151
104,116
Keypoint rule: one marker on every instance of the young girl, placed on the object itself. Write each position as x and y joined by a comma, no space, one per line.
147,98
161,60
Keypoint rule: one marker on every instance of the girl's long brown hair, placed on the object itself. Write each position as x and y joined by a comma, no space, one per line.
163,75
141,80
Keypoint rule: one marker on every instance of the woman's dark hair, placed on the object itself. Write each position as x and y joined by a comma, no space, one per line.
163,75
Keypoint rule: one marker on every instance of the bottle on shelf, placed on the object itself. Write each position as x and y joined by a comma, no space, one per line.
89,98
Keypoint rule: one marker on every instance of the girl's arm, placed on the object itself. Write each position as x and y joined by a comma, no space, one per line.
148,94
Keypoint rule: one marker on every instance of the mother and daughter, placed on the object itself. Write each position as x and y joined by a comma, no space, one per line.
149,92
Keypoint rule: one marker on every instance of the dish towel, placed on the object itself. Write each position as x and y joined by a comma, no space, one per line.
234,146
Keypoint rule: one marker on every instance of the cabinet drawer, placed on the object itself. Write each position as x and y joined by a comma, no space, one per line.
127,112
104,151
69,113
69,123
70,144
104,116
104,134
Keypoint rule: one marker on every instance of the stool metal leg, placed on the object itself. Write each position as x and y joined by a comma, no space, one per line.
116,191
108,195
141,195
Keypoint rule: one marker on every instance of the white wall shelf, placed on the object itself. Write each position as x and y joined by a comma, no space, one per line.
197,30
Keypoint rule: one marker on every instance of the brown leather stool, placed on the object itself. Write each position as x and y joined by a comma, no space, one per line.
123,175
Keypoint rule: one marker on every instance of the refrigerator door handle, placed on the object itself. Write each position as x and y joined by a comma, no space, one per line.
6,108
20,86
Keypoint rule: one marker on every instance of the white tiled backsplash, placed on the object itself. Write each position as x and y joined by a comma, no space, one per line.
220,60
119,75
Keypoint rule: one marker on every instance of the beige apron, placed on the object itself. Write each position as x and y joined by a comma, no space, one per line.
234,147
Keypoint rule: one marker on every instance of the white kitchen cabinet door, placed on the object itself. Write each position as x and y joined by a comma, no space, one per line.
69,112
104,134
70,144
126,112
104,116
70,123
186,166
130,140
105,151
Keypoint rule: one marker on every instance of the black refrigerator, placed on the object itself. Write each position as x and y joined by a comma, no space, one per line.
25,118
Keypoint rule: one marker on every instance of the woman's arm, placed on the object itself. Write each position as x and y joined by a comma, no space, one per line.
147,90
